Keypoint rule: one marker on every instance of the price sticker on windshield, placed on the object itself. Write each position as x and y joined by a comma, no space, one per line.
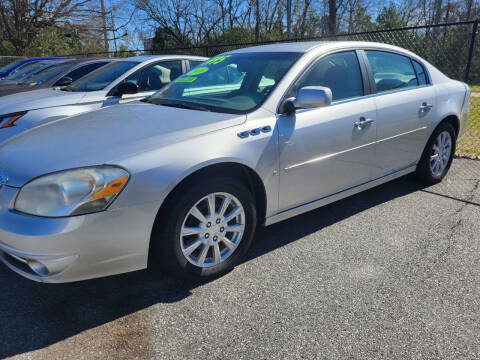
191,75
198,71
216,60
186,79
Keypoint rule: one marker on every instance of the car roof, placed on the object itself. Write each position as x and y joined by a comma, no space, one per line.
143,58
306,46
44,58
88,60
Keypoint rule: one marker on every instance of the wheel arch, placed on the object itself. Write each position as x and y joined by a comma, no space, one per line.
236,170
453,120
232,169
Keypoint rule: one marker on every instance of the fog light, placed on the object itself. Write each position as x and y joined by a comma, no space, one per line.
38,267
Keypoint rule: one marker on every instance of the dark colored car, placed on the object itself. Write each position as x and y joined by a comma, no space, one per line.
28,71
58,75
18,64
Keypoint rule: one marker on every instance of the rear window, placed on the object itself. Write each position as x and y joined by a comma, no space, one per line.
46,74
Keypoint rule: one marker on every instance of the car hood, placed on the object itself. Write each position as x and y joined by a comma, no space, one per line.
105,136
38,99
5,82
13,89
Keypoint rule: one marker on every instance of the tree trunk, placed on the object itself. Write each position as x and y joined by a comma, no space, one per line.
257,20
332,17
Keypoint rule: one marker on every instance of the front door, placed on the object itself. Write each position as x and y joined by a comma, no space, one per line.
325,150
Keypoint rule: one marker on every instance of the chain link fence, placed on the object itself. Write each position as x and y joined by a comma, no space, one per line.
452,48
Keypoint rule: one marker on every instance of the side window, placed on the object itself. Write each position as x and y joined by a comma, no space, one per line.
81,71
340,72
157,75
421,75
391,71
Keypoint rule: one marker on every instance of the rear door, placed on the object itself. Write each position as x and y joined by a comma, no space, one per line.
404,101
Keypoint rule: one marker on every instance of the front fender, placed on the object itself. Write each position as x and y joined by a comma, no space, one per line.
154,174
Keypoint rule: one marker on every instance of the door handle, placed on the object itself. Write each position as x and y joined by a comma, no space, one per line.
362,123
425,107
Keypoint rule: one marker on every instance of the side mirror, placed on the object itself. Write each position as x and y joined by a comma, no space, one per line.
126,88
64,81
308,97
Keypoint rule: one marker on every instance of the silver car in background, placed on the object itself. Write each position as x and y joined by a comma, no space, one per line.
119,82
250,137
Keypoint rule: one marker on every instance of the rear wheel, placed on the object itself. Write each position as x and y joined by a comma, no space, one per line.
438,154
207,228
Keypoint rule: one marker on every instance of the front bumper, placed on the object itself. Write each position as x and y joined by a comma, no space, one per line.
74,248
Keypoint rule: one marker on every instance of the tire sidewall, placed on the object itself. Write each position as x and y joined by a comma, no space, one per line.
181,204
424,168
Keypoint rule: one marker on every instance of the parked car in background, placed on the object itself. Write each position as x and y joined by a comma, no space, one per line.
119,82
57,75
183,178
18,64
27,71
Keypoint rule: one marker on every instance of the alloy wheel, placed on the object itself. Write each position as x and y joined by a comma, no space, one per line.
212,229
441,151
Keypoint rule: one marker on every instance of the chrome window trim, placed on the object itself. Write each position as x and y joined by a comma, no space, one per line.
361,59
369,96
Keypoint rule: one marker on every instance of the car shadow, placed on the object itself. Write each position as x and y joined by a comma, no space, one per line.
34,315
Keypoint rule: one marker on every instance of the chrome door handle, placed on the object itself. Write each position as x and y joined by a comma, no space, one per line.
425,107
362,123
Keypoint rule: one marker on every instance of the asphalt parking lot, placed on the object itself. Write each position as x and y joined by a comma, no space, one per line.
393,272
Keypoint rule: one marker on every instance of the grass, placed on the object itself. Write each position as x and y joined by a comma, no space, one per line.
470,144
475,88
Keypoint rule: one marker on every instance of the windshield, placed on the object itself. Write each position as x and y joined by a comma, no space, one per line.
11,66
236,83
46,74
102,77
25,70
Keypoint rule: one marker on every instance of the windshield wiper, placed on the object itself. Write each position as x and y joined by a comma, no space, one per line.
185,106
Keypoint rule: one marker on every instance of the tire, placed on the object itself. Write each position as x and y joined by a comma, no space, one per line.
170,250
427,171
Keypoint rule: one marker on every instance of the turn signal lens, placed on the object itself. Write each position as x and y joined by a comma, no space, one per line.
9,120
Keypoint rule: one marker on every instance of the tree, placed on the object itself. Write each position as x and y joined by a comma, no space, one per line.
54,40
124,52
23,21
390,18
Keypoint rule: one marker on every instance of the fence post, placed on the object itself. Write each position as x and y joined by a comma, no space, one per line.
206,51
470,51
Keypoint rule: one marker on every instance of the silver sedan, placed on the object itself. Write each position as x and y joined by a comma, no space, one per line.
250,137
121,81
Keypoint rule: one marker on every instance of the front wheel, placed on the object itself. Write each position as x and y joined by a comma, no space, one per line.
207,229
438,154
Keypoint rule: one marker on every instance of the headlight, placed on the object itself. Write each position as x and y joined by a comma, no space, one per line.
9,119
72,192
